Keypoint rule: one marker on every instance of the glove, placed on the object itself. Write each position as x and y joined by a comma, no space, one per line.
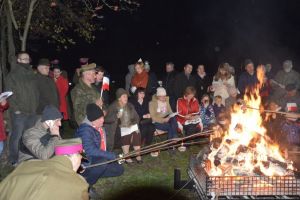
121,161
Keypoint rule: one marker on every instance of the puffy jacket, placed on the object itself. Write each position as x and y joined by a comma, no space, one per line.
91,141
22,82
185,108
38,143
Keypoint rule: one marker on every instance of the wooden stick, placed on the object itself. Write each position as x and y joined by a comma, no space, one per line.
292,115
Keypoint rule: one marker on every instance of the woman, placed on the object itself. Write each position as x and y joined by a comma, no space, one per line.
141,105
161,113
140,78
62,86
207,114
122,113
188,112
222,81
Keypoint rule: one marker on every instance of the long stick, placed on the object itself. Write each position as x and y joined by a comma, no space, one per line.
156,148
292,115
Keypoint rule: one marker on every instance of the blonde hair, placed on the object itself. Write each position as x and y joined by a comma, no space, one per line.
226,76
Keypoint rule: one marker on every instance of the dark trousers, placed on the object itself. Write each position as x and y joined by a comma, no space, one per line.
191,129
20,122
171,127
109,170
147,132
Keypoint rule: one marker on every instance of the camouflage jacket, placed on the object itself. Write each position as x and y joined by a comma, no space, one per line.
81,96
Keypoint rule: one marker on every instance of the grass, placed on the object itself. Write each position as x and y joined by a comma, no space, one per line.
151,180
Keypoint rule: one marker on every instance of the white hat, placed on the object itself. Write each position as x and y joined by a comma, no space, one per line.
160,91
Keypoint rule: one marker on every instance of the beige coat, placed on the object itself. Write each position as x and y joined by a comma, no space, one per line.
157,116
44,180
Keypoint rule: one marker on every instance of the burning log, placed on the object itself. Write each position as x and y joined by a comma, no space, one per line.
241,149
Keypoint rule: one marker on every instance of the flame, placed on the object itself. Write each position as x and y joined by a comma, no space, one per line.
245,149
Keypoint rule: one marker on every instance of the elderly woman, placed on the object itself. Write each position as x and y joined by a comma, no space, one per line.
122,113
161,113
141,105
188,112
140,78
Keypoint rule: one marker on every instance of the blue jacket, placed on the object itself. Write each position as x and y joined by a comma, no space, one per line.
91,141
247,81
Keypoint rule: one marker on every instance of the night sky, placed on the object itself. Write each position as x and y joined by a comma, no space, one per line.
199,32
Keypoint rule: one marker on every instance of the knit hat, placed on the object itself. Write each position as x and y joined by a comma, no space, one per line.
160,91
44,61
88,67
93,112
50,112
290,87
68,146
120,92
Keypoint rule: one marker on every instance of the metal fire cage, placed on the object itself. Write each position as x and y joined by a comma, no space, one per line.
242,187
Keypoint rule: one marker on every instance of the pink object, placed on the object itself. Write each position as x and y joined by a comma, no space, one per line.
63,150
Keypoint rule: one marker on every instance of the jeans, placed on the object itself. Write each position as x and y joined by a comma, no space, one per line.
92,174
20,122
171,127
1,146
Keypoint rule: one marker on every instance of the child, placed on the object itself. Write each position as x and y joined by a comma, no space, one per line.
3,107
218,106
207,114
231,100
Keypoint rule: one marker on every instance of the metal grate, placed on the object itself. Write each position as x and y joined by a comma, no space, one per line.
238,187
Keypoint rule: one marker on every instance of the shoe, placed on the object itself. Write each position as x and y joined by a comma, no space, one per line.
129,162
93,193
139,162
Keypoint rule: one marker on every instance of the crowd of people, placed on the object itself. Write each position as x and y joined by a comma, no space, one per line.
181,103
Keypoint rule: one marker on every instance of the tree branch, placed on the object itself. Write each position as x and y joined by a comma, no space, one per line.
12,16
27,24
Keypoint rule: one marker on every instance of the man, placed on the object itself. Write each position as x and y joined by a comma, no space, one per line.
248,79
152,81
203,81
283,78
23,102
84,93
168,83
48,94
290,102
183,80
39,141
55,178
93,137
100,73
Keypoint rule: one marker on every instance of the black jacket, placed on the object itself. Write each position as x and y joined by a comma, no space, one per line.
202,84
48,94
182,82
168,83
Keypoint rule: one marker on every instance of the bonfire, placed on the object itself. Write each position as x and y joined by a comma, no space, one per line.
245,149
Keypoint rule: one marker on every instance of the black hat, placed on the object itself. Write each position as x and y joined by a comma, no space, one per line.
50,112
120,92
290,87
44,61
93,112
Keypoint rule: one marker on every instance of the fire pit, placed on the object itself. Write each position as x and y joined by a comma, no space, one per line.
242,162
242,187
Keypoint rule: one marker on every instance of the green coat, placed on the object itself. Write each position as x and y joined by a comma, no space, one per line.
82,95
44,180
22,82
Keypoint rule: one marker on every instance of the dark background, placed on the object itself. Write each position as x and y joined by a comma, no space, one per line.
199,32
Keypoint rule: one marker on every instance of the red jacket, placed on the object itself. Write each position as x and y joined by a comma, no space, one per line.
62,87
2,129
184,108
